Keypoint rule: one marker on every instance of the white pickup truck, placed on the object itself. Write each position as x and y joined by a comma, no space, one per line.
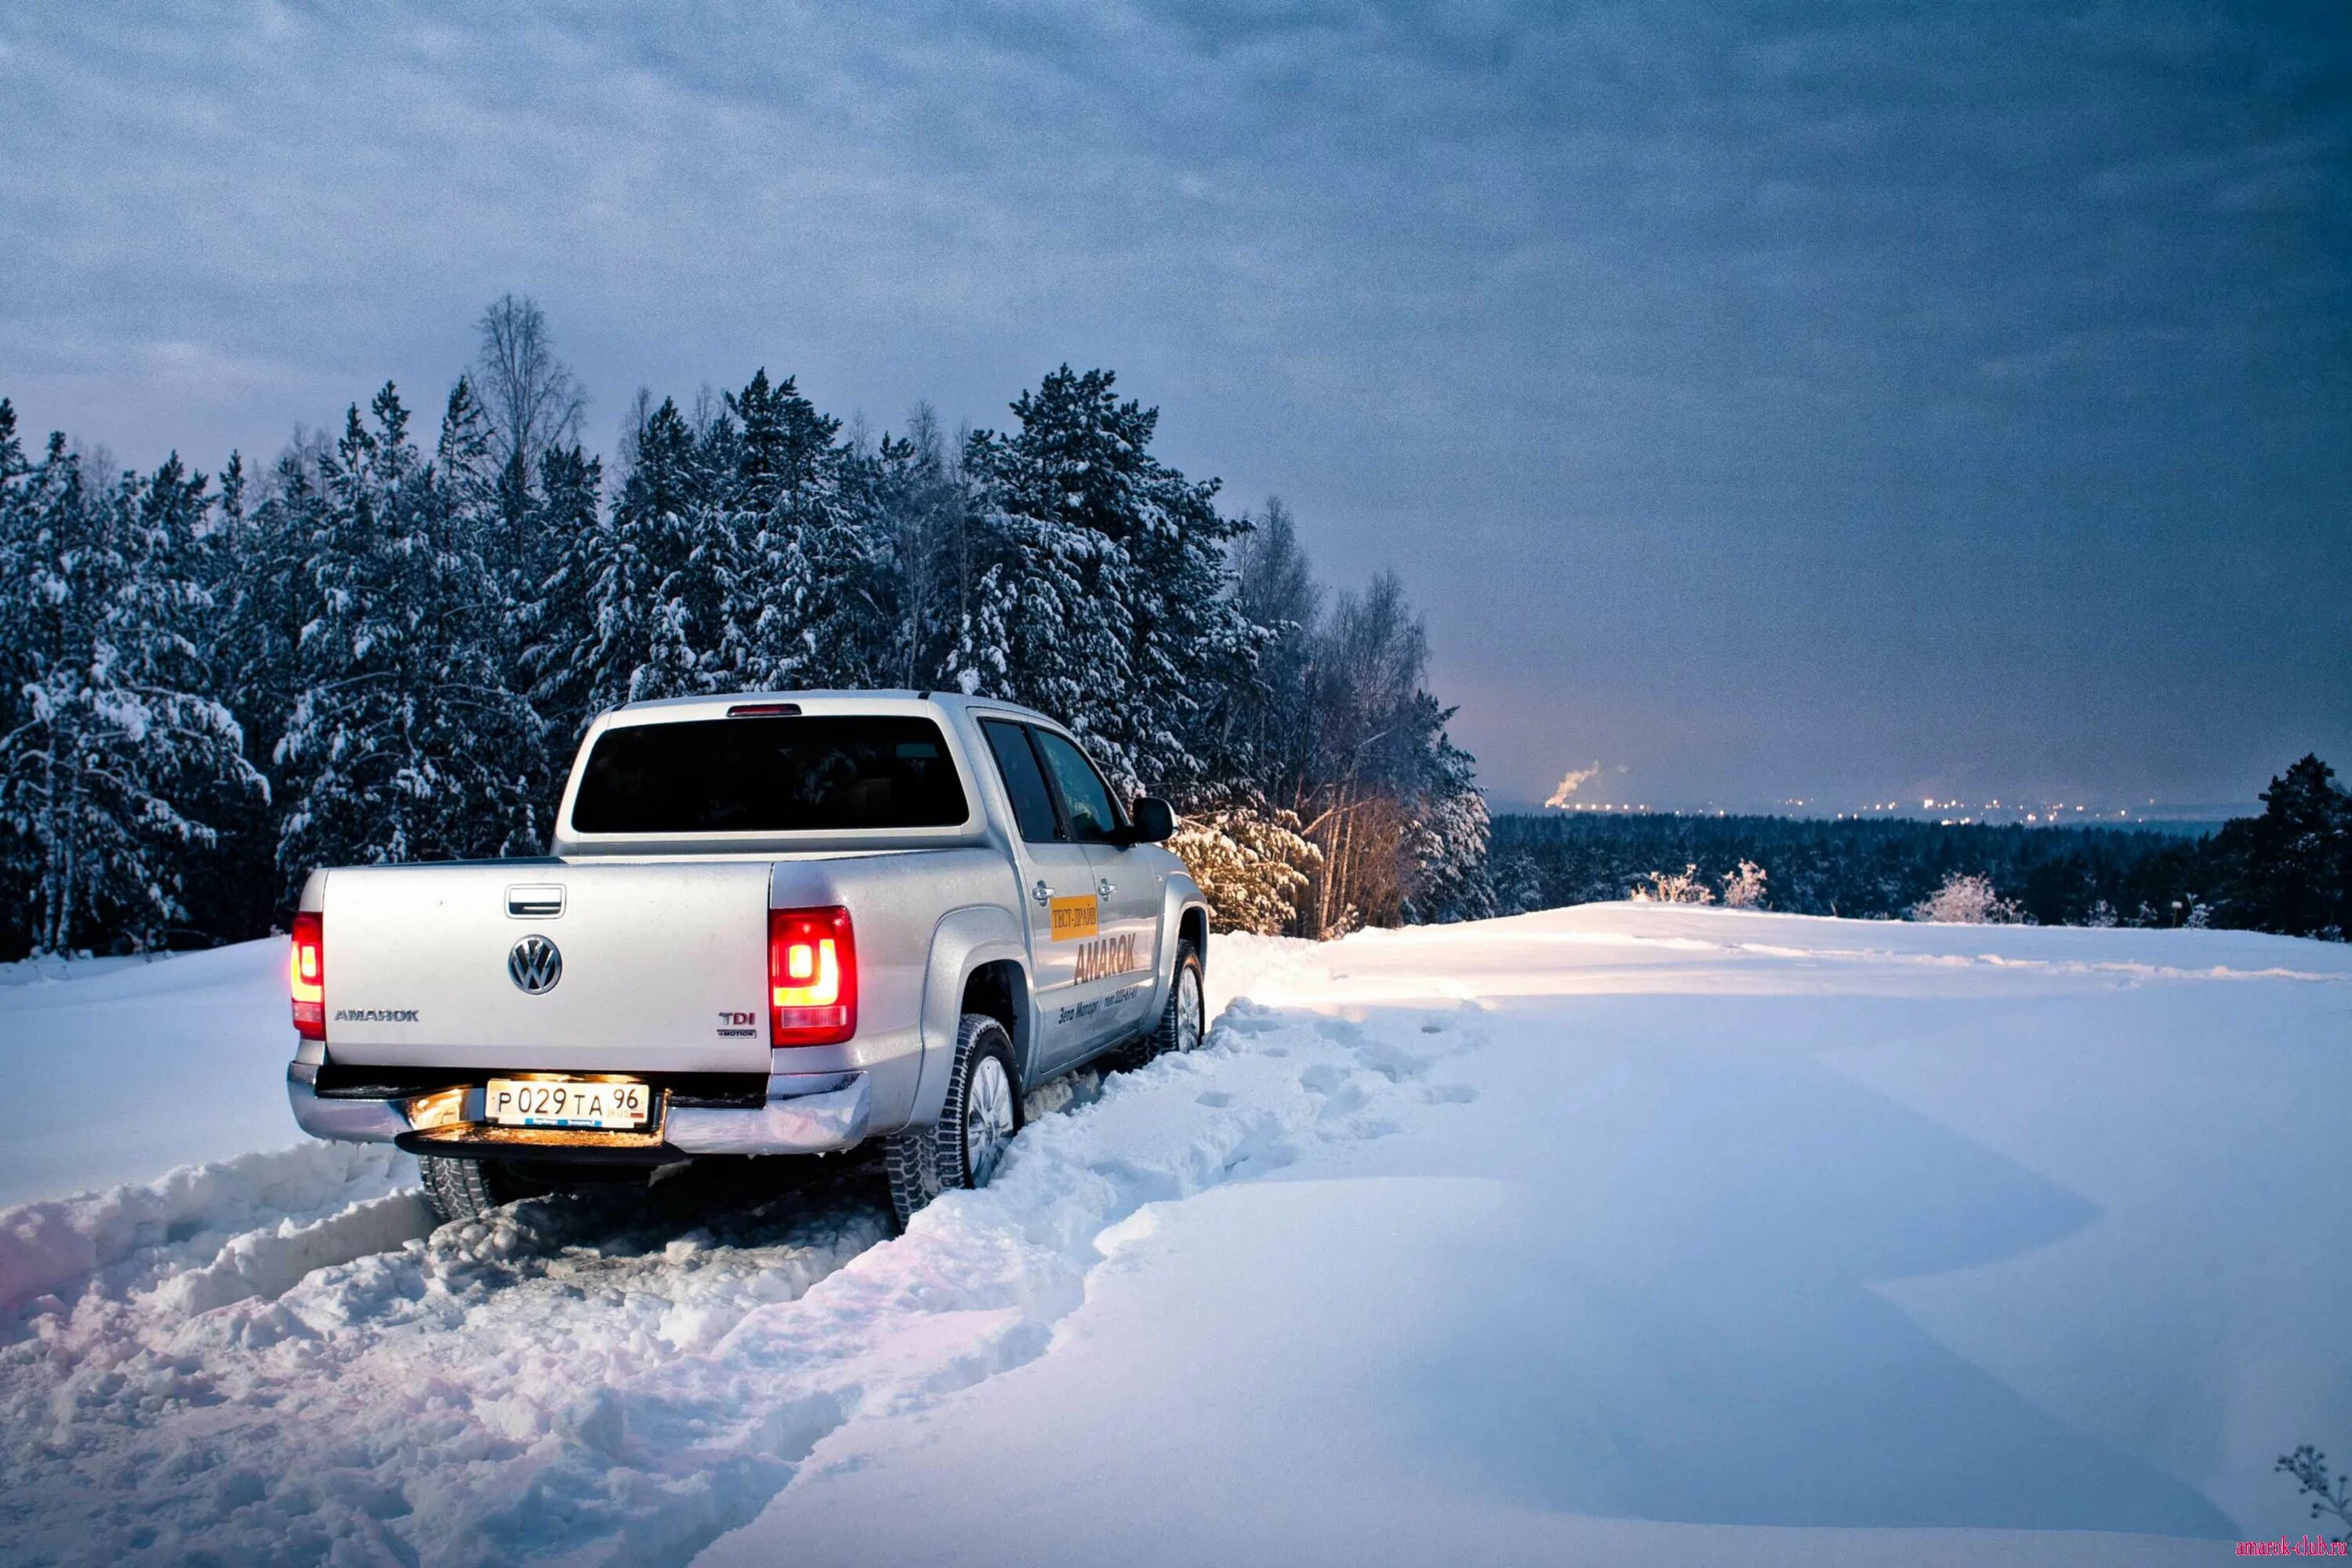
774,924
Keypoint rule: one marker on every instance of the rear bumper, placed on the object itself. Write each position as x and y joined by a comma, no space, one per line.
804,1113
341,1120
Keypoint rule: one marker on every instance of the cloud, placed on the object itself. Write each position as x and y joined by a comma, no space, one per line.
1880,332
1576,779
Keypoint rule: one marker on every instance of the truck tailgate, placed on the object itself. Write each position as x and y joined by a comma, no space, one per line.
662,967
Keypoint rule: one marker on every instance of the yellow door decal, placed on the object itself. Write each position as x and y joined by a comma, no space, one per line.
1073,918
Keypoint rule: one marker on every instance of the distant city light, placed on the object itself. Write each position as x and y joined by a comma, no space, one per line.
1951,811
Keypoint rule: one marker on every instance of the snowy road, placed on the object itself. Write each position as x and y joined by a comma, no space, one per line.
1608,1231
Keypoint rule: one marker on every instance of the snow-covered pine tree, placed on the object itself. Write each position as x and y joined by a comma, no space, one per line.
172,617
20,513
1269,724
116,749
806,592
405,742
233,888
631,610
2291,868
1449,880
262,554
1042,631
558,617
917,499
1103,600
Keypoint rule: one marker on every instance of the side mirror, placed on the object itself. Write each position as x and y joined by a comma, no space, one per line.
1154,820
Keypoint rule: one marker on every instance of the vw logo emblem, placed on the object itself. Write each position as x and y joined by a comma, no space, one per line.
534,967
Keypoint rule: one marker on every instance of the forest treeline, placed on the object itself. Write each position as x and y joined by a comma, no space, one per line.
384,644
2287,868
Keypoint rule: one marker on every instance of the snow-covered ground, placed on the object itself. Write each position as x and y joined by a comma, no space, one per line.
139,1065
1620,1230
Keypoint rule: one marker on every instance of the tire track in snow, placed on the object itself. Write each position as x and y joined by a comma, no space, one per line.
599,1378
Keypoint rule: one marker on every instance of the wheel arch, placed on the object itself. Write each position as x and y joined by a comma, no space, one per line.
1192,926
1183,913
979,954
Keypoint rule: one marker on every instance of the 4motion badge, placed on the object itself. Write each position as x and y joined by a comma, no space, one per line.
535,965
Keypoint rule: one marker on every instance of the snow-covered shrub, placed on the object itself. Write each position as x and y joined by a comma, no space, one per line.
1252,862
1967,898
1683,886
1744,889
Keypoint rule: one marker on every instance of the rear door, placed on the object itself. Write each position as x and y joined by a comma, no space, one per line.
654,967
1056,890
1116,964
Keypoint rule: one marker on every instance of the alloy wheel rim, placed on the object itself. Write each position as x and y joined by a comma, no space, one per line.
987,1119
1188,1010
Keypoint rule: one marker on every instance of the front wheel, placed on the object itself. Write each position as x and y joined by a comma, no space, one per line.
1181,1022
975,1128
1186,1018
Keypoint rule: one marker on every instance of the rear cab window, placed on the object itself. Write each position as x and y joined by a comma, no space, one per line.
800,773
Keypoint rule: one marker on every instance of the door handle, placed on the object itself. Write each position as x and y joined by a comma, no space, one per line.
1042,893
1103,887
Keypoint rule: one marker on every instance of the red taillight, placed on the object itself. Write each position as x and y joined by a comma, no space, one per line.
811,977
306,976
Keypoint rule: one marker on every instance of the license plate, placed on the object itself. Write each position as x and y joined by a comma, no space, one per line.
608,1106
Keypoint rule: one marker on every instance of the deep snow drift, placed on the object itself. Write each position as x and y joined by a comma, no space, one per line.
1610,1231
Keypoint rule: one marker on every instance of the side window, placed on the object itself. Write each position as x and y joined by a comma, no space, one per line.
1017,764
1084,793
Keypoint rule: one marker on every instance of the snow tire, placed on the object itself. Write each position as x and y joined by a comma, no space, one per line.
1185,1007
984,1104
464,1189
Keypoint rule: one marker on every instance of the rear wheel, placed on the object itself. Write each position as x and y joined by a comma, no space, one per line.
469,1189
975,1128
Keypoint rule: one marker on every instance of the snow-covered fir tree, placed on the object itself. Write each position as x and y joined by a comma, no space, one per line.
1103,599
631,610
405,742
116,752
917,499
263,553
1448,843
557,615
1268,721
808,586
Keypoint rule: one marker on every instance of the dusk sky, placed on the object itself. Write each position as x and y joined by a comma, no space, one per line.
1762,402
